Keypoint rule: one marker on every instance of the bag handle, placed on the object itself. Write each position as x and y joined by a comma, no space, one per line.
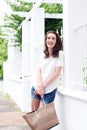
36,111
43,104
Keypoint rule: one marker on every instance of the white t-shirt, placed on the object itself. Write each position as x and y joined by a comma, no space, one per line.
48,66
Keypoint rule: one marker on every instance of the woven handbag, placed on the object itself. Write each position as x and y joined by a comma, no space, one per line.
42,119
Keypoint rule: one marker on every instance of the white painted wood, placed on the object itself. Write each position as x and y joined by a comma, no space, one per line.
46,1
37,37
54,16
36,5
26,44
46,15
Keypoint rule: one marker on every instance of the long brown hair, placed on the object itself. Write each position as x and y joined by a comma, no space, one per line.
58,46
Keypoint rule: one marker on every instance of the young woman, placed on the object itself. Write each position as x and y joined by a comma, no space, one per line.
49,69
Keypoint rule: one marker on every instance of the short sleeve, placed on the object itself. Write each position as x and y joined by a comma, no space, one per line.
60,59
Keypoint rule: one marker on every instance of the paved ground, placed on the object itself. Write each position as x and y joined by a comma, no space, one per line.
10,114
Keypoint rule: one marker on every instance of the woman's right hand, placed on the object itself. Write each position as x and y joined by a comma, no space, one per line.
40,91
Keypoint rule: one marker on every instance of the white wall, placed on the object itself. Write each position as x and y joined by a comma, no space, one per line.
75,47
78,44
72,112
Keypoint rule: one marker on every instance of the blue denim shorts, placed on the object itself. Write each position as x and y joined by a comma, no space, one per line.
48,97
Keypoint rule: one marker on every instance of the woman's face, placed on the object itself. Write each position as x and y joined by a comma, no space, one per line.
51,40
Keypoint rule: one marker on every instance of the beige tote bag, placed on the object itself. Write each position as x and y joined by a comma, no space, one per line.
42,119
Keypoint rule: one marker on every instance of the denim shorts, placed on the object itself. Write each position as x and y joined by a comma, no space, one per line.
48,97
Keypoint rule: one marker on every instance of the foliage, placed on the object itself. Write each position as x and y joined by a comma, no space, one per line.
53,24
53,8
14,21
3,51
20,5
15,24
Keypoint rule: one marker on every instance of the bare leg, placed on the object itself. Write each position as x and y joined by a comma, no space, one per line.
35,104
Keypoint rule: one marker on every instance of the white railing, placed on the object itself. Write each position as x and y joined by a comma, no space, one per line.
81,54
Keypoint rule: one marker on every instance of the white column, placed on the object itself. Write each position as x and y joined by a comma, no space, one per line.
66,42
32,41
26,41
70,44
37,37
26,61
13,49
13,70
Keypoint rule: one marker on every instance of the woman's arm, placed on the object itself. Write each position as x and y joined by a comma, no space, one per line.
54,76
39,78
40,89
